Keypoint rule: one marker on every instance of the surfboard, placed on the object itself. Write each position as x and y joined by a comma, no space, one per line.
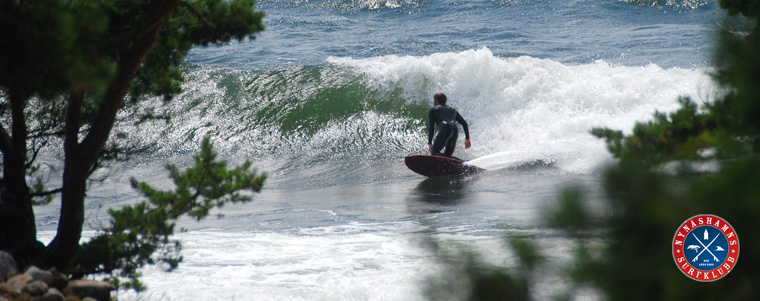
434,166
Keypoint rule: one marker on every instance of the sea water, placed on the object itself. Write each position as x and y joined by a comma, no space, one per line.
334,94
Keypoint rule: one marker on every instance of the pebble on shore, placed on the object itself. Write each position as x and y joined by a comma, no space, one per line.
46,285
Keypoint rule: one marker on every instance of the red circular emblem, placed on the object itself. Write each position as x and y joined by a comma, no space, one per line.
705,247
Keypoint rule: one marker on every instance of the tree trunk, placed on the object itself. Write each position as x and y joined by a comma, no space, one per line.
81,157
19,235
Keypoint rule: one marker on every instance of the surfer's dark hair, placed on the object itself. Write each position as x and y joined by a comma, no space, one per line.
440,98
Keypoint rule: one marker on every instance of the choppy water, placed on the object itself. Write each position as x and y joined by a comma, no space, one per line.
335,93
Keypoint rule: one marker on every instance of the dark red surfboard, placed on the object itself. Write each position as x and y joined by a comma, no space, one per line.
434,166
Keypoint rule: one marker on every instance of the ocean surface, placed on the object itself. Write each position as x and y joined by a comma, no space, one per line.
334,94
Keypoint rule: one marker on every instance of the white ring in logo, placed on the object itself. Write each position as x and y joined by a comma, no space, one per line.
705,247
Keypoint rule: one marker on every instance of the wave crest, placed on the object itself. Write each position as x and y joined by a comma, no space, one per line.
351,114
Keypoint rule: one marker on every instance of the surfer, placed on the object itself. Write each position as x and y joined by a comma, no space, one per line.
445,117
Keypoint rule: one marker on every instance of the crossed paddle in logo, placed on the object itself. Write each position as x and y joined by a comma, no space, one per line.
705,248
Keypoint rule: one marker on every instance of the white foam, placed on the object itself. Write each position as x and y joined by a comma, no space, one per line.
351,262
527,109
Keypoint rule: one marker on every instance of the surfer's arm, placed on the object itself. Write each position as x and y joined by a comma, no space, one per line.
465,127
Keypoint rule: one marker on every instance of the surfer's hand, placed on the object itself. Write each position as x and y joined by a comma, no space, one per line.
431,147
467,143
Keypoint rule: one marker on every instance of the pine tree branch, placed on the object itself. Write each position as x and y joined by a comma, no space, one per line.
46,193
161,11
198,14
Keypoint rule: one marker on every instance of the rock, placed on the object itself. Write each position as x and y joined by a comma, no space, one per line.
98,290
7,266
53,295
60,280
19,281
37,274
7,289
35,288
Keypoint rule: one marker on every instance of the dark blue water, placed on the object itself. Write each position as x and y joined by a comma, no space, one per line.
666,33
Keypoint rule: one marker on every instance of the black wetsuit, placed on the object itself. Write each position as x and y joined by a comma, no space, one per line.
445,117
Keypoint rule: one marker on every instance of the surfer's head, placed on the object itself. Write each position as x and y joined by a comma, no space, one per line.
439,98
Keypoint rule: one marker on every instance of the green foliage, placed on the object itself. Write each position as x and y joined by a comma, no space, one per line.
469,277
629,248
747,8
56,49
682,135
623,252
200,22
738,68
39,188
140,234
569,214
68,67
50,52
727,125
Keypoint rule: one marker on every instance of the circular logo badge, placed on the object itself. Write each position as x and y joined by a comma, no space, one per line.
705,247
